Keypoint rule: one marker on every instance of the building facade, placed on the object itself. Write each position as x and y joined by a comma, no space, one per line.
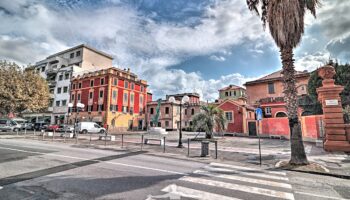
232,92
58,69
169,117
267,92
112,97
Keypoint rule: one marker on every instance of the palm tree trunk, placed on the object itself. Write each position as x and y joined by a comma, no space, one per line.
298,156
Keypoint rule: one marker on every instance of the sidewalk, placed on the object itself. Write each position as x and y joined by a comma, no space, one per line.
230,149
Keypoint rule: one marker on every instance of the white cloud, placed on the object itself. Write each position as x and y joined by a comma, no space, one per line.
217,58
311,62
148,47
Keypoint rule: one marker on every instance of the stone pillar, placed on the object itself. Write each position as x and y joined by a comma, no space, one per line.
328,95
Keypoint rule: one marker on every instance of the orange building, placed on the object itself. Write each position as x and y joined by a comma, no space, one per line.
267,92
112,97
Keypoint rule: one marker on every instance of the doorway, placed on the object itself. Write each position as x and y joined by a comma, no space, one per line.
252,128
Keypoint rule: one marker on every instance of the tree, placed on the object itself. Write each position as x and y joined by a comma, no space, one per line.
209,118
21,90
285,20
342,77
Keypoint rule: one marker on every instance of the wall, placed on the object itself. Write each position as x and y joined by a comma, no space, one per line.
310,126
93,60
347,128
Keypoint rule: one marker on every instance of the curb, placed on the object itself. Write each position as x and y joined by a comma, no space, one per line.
347,177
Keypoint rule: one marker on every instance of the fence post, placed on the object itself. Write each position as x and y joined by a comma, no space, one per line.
188,147
25,132
216,149
141,141
17,131
122,140
65,135
43,133
76,137
163,144
53,134
90,138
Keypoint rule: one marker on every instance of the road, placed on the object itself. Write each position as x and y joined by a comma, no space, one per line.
32,169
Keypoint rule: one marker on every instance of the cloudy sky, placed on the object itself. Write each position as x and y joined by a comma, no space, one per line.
177,45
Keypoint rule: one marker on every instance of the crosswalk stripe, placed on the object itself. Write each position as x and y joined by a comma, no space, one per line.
195,194
244,179
245,168
243,188
268,176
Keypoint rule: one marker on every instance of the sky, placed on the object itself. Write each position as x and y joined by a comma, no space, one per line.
176,45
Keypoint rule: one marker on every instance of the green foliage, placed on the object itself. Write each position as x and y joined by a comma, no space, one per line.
209,118
342,77
21,90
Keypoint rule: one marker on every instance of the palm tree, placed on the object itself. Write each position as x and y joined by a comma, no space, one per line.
285,20
208,119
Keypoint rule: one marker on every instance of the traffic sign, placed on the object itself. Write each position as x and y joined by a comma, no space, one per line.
258,113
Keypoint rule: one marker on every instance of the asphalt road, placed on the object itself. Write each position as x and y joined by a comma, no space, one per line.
43,170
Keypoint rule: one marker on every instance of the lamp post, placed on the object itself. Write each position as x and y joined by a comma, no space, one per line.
185,99
79,106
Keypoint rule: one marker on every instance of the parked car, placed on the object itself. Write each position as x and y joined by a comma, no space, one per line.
9,125
89,127
40,126
66,128
52,127
28,126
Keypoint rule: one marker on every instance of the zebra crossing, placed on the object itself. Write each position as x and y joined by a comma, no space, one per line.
229,182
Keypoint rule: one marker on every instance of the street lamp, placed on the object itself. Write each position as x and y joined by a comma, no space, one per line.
185,99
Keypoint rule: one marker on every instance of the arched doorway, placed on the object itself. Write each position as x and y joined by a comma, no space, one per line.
281,114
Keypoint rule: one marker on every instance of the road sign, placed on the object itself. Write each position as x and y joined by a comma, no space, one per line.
258,113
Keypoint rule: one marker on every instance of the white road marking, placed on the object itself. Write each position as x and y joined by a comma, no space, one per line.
261,175
243,188
244,179
95,160
320,196
195,194
245,168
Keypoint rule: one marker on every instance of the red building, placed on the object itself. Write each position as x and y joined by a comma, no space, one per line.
111,96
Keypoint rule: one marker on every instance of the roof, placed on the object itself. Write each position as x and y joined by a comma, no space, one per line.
232,87
239,104
82,46
276,76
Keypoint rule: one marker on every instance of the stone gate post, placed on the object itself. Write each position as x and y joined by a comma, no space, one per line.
328,95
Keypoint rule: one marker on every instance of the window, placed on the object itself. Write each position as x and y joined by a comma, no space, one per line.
271,87
42,69
64,102
101,94
226,94
59,90
125,98
151,110
115,81
132,86
77,53
185,111
60,77
79,97
57,103
126,84
125,109
229,116
91,94
73,98
234,93
73,86
113,108
114,95
102,81
79,85
268,110
142,88
166,110
100,107
192,111
131,110
71,55
52,91
141,100
131,98
166,123
65,89
89,108
91,83
66,76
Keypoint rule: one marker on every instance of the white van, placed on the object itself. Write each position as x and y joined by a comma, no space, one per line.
9,125
89,127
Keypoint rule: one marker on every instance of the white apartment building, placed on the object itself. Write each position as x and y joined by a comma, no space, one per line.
58,69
